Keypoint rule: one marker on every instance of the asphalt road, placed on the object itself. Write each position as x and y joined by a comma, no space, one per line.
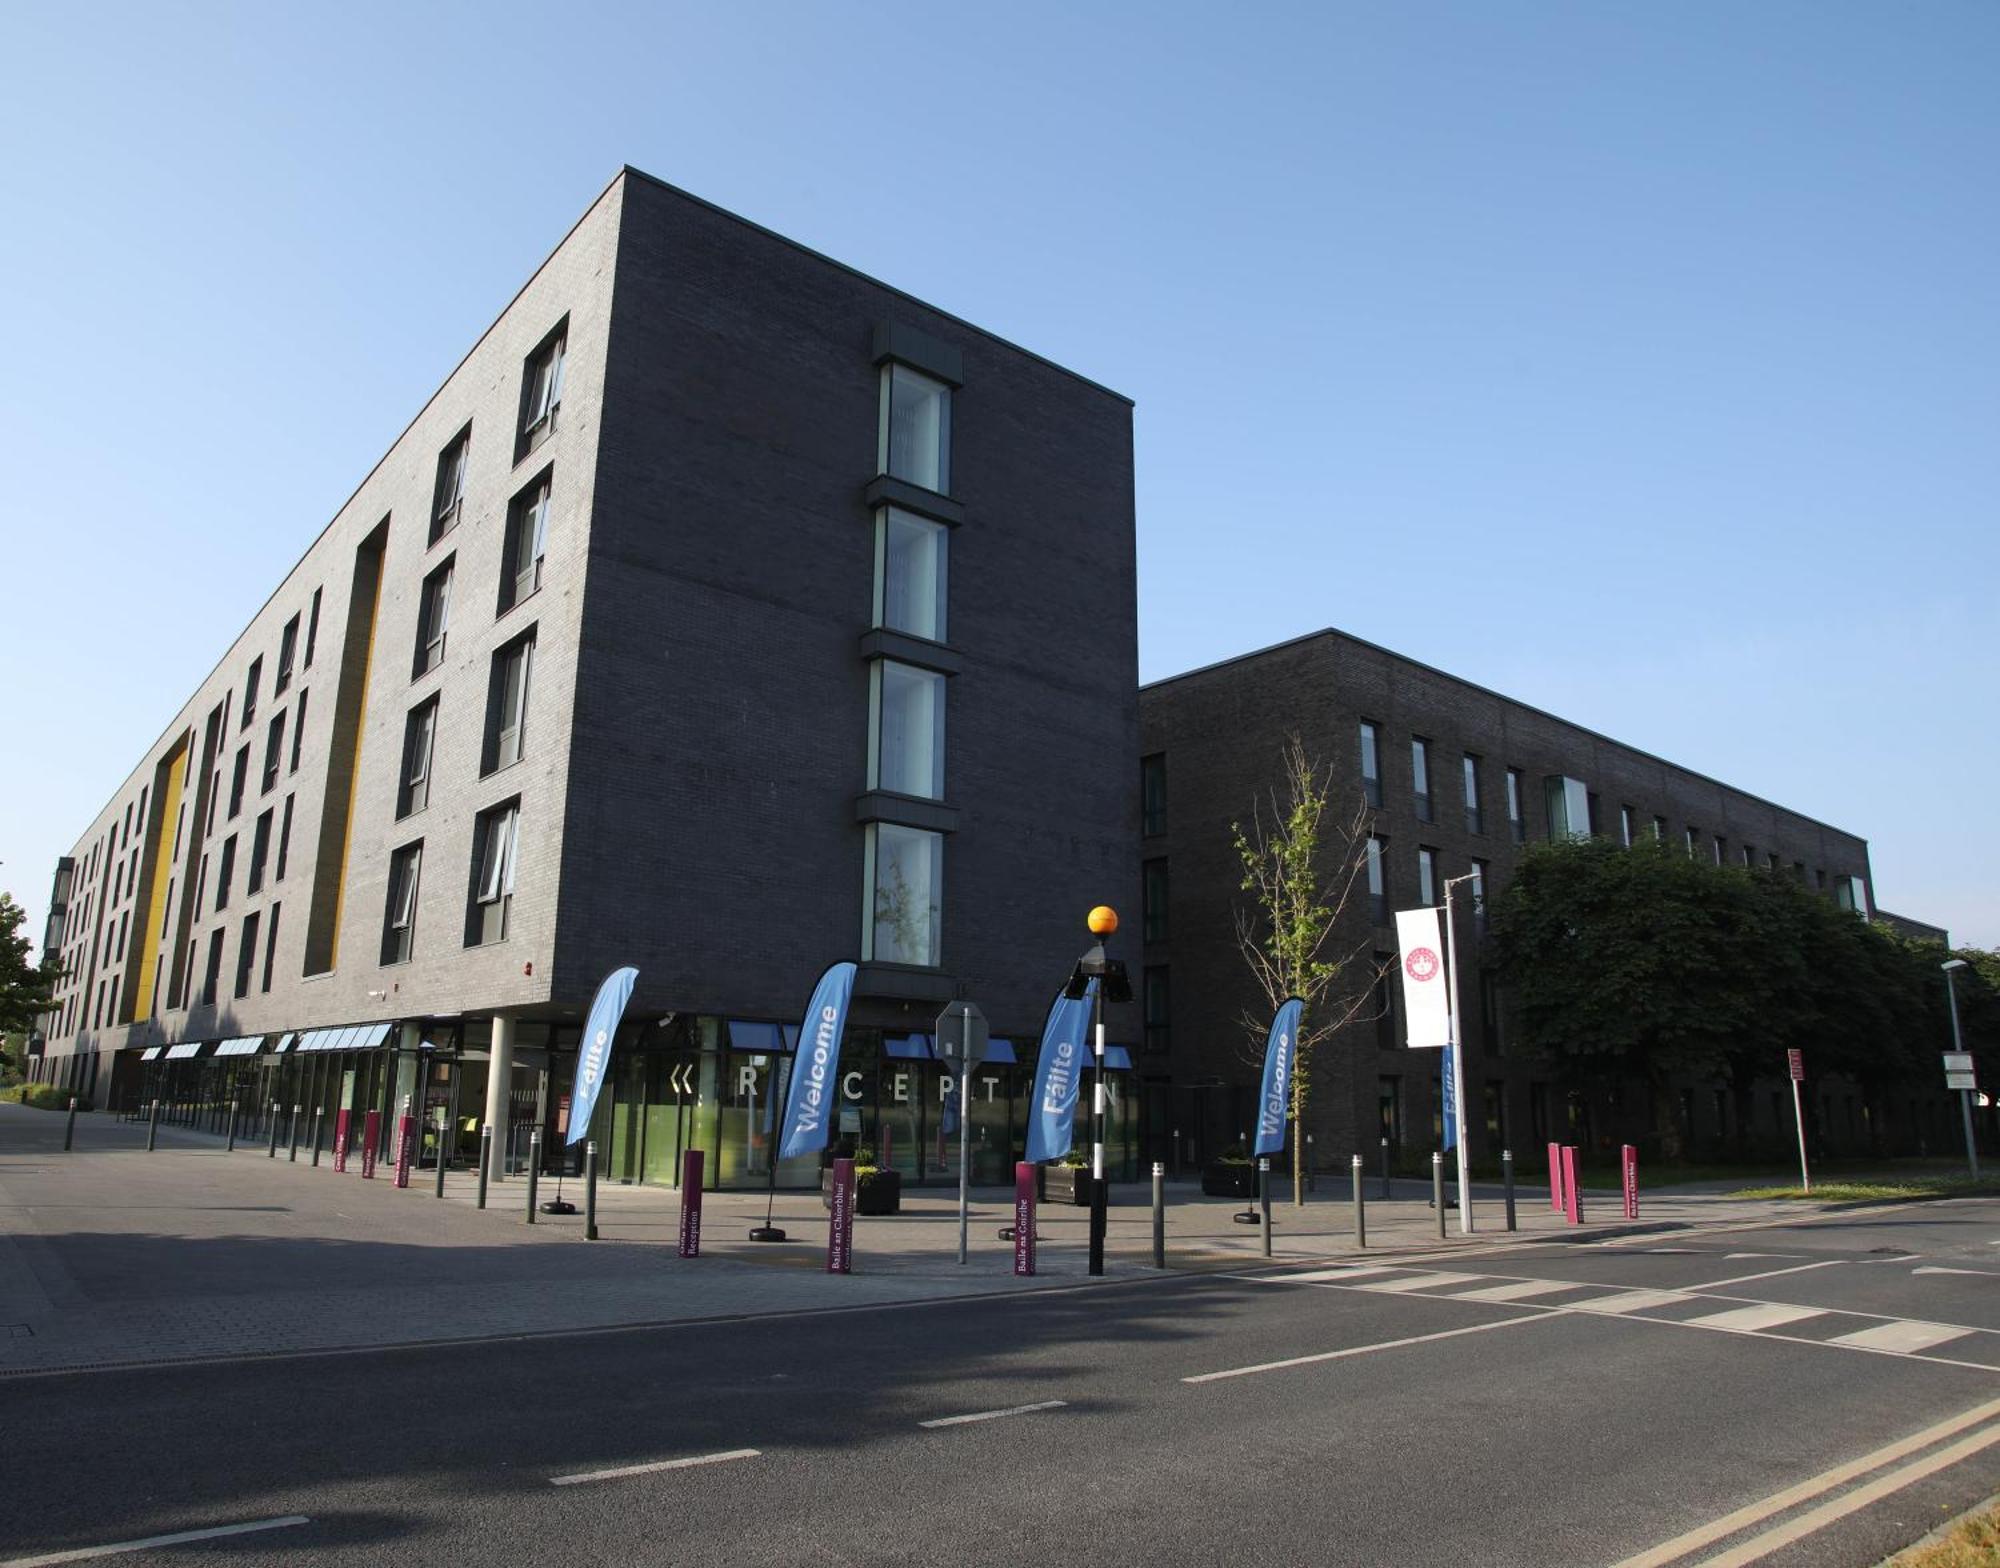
1547,1404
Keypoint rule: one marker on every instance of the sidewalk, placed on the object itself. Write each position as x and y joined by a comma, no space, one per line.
109,1255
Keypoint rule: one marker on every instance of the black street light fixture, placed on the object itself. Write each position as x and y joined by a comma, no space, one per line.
1113,986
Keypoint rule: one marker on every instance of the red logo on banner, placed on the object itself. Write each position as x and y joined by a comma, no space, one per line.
1422,964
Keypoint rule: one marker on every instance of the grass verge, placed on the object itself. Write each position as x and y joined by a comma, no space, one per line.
1899,1191
1971,1542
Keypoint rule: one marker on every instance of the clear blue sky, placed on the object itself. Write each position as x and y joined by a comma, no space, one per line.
1642,362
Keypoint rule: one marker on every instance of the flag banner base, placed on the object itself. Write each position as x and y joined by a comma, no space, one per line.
767,1233
558,1206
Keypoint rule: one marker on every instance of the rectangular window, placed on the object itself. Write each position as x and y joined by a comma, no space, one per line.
1594,820
915,430
1568,804
496,846
288,651
906,899
200,887
212,976
312,631
1156,1001
1659,830
274,749
1153,794
1477,889
1625,820
1749,854
270,947
1378,879
1420,776
448,498
238,780
911,554
1719,848
526,543
507,704
433,618
1489,1013
399,923
419,733
260,853
246,955
1371,764
250,683
909,726
541,391
1851,893
225,871
1475,821
284,840
1427,882
1517,824
298,730
1688,836
1154,906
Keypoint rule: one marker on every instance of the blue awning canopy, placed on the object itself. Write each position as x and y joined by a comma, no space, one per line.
907,1048
1118,1058
747,1034
1001,1051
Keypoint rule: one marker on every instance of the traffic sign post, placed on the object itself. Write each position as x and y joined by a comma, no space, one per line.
961,1045
1795,1063
1959,1075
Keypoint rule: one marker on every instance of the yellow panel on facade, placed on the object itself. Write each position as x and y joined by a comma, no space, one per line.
163,869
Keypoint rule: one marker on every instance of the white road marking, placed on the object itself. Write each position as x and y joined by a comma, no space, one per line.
995,1415
1932,1269
1360,1350
659,1464
1420,1282
1318,1276
1791,1496
1518,1289
1749,1320
1903,1337
1627,1301
1730,1257
1744,1279
85,1553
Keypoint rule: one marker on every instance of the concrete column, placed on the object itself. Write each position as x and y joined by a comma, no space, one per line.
499,1079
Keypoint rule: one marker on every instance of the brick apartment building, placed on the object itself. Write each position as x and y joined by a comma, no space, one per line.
725,613
1459,779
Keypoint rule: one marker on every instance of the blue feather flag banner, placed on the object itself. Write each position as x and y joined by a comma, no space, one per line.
816,1063
1274,1100
1059,1076
600,1030
1448,1098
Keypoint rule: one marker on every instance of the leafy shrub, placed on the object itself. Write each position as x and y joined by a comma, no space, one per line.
43,1097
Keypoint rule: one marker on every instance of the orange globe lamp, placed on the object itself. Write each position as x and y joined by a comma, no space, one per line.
1103,920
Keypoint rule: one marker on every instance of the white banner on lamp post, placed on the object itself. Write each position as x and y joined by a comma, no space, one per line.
1426,1007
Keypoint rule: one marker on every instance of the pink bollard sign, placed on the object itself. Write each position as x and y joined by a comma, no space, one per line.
691,1163
840,1227
1630,1168
371,1139
1024,1218
1555,1178
406,1140
1572,1194
341,1120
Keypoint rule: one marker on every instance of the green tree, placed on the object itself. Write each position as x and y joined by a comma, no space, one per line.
1300,873
25,989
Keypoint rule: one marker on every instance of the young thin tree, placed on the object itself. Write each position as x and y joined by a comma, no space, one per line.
1301,867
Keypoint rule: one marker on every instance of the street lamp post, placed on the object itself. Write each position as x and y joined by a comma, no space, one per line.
1112,986
1465,1220
1957,1044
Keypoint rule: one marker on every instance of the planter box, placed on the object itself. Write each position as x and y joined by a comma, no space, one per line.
1221,1179
881,1193
1068,1184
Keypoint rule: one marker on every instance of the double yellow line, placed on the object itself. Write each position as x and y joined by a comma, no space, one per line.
1981,1426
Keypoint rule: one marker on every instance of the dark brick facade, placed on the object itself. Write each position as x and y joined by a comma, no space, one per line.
1221,730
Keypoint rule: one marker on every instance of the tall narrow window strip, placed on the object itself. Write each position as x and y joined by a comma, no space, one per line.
1427,883
1378,879
545,378
434,617
512,675
288,648
526,543
1371,764
1154,911
1474,822
1517,824
910,705
912,554
298,729
312,630
1420,776
1153,794
907,899
449,498
916,428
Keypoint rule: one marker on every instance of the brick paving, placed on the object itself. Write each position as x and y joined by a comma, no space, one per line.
109,1255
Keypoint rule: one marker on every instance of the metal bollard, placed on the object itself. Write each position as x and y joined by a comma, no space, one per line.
232,1128
1312,1181
1159,1215
443,1121
534,1169
1437,1190
272,1152
1360,1212
152,1126
292,1132
1385,1167
69,1127
485,1160
1507,1174
319,1113
590,1190
1264,1198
